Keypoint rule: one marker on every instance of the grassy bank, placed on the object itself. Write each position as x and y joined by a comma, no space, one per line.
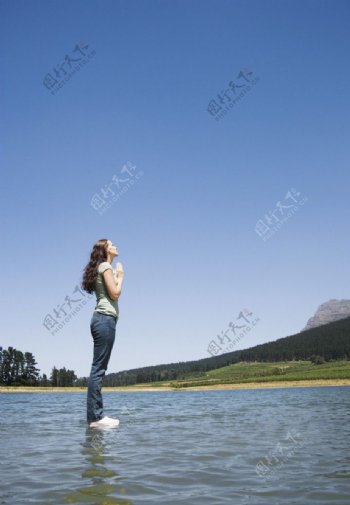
238,376
276,374
282,371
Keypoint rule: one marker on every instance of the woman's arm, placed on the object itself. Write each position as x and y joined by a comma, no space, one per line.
114,289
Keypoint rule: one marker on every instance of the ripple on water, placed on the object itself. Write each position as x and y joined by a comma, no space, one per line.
194,448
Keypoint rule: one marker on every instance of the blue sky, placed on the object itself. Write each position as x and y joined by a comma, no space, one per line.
185,228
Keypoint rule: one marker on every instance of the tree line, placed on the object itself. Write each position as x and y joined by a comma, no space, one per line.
18,368
324,343
319,345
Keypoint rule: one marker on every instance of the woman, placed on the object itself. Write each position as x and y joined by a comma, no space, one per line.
100,277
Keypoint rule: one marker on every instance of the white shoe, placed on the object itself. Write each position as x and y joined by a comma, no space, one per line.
105,421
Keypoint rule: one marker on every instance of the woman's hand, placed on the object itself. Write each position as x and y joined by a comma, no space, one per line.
119,270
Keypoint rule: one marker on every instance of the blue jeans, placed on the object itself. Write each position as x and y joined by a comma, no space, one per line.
102,329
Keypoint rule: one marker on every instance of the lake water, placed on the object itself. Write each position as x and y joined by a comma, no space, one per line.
242,447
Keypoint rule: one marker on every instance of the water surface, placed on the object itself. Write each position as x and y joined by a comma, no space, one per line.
245,447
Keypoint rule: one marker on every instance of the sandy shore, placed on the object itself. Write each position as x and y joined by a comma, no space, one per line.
141,388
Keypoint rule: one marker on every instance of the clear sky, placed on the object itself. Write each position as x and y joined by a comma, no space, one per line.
185,224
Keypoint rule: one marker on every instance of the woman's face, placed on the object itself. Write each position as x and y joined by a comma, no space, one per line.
112,249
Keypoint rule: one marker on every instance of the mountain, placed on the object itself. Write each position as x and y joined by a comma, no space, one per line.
327,312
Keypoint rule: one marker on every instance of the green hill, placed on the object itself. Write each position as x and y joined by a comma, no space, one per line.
329,342
268,372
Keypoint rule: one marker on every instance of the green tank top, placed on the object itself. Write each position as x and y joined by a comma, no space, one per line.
105,304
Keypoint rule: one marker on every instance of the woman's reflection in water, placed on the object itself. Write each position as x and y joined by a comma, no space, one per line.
103,485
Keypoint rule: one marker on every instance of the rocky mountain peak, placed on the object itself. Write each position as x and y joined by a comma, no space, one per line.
330,311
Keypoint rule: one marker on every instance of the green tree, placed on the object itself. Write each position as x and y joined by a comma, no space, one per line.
31,373
8,366
17,368
317,360
53,378
1,378
43,381
62,377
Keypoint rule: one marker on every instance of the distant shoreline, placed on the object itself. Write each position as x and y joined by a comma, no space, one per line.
140,388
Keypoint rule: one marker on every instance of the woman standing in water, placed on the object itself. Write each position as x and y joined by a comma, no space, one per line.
99,277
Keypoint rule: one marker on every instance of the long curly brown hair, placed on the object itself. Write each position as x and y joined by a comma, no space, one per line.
98,255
